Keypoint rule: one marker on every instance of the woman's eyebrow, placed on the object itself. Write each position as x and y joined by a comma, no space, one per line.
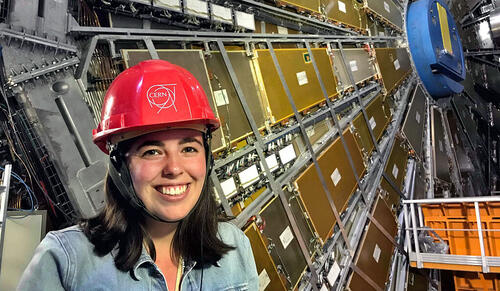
189,140
150,143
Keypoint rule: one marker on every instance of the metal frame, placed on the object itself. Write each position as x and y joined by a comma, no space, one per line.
367,185
4,199
420,258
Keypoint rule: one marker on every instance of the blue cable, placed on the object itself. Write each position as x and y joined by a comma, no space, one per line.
32,196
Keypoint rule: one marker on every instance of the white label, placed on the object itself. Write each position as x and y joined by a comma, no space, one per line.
387,7
221,13
282,30
440,143
342,7
417,117
228,187
287,154
197,7
264,280
272,162
381,33
372,123
249,176
286,237
323,288
335,176
333,274
353,65
302,78
396,64
376,253
395,171
221,98
310,131
244,20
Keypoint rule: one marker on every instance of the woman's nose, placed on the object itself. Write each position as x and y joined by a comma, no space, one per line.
172,167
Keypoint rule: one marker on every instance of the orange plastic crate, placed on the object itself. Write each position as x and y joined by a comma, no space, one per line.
467,281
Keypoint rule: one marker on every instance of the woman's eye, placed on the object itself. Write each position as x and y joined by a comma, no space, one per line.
190,150
150,152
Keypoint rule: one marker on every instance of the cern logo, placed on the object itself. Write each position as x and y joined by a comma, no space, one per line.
162,96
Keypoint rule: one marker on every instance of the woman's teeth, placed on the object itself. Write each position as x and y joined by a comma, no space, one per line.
176,190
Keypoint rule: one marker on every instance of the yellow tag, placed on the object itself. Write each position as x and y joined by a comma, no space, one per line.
445,30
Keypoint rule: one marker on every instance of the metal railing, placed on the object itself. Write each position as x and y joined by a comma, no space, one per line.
454,248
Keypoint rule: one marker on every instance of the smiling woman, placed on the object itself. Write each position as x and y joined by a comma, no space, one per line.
159,229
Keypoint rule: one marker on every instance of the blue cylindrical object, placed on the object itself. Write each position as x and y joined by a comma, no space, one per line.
435,47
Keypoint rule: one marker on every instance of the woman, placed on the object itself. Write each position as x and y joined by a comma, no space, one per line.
159,229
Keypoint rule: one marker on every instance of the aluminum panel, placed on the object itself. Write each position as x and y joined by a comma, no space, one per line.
316,202
316,131
194,62
463,160
394,65
231,113
337,171
420,190
303,222
347,12
387,11
413,126
358,62
390,195
377,120
396,165
264,262
440,157
376,250
311,5
300,77
286,251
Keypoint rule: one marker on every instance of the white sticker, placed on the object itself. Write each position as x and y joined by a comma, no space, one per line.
386,7
396,64
353,65
372,123
302,78
417,117
342,7
323,288
287,154
249,176
335,176
272,162
221,97
282,30
381,33
395,171
440,143
333,274
228,187
310,131
264,280
376,253
286,237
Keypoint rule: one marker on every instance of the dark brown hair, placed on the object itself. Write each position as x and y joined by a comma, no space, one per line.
122,226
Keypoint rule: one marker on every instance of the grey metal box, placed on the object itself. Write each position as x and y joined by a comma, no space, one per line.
440,157
358,62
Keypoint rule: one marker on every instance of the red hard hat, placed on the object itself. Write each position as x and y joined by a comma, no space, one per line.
152,95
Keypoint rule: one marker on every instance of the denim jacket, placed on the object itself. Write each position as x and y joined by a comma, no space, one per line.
65,260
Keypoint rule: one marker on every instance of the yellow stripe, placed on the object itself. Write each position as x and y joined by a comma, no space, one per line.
445,31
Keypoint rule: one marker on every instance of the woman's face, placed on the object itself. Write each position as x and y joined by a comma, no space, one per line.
168,170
